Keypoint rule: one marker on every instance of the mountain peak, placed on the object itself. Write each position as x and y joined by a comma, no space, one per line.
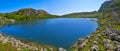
105,5
31,12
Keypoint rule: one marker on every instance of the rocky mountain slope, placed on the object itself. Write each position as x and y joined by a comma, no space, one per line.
31,12
105,5
28,14
107,37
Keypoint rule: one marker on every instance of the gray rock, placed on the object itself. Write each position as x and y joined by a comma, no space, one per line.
118,48
82,45
109,47
106,41
95,42
94,48
61,49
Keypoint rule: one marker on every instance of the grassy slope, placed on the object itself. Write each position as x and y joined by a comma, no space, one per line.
82,15
106,19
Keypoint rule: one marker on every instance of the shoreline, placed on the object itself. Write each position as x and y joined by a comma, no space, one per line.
21,45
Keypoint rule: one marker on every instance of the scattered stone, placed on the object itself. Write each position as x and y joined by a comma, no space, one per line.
16,43
95,42
82,44
94,48
118,48
41,49
61,49
51,49
45,49
88,37
109,47
106,41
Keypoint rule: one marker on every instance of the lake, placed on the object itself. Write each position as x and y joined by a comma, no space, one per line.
59,32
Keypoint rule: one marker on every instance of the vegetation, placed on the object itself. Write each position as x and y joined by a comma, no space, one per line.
82,15
28,14
109,18
4,21
106,38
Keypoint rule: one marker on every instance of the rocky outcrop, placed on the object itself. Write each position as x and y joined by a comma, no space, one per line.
105,5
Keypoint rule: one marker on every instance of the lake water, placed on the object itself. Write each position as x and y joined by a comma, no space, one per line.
59,32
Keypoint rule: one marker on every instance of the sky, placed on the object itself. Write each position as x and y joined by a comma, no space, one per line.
57,7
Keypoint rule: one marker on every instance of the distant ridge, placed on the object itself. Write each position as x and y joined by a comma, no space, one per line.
82,14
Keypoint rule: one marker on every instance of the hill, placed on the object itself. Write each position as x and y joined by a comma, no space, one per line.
28,14
82,14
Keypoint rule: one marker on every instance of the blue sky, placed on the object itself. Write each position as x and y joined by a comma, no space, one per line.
58,7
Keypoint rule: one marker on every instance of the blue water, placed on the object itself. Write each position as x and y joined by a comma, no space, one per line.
59,32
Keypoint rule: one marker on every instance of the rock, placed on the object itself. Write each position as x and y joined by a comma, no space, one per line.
75,45
92,35
118,48
82,44
95,42
51,49
18,49
88,37
45,49
94,48
113,34
34,48
116,42
41,49
106,41
109,47
61,49
5,40
12,20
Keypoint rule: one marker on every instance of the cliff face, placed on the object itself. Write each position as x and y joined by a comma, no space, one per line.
105,5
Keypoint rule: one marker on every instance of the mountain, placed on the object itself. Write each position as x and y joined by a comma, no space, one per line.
29,14
105,5
82,14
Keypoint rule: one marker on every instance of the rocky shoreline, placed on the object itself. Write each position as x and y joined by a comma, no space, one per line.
107,36
101,40
4,39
